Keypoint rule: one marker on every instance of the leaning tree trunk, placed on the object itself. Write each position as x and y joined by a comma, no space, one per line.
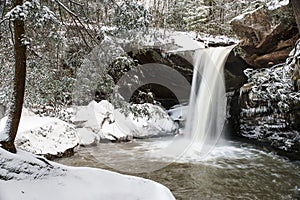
15,111
296,8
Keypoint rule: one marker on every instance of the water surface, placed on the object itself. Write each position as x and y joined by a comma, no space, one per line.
231,171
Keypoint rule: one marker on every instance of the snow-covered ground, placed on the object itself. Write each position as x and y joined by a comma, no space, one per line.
100,121
28,178
94,122
44,135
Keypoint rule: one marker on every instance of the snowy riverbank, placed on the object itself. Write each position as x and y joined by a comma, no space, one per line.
26,177
91,124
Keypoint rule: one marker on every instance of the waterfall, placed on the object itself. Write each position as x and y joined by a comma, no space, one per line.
207,104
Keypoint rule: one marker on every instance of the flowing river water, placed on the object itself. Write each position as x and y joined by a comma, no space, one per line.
231,170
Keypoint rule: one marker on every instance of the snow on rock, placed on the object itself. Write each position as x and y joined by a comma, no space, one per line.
274,4
159,123
44,135
111,124
178,112
23,176
172,41
185,42
87,137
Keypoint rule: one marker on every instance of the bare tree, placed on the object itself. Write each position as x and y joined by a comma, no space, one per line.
15,110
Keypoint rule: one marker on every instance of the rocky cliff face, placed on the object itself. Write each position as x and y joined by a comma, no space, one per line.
270,107
234,76
267,36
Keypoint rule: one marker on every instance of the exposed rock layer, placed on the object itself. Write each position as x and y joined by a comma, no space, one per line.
267,36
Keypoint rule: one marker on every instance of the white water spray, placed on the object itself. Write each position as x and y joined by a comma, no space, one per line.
207,105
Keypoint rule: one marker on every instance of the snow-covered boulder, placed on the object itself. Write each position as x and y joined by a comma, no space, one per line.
111,124
23,176
158,123
87,137
44,135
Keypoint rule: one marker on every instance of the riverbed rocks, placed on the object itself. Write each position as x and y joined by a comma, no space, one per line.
267,35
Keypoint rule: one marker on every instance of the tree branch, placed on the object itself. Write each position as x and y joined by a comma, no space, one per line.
76,18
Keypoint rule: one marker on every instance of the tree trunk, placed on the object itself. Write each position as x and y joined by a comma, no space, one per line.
15,111
296,8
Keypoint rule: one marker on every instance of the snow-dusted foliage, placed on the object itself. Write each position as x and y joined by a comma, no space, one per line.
205,16
32,10
57,39
100,71
274,4
131,15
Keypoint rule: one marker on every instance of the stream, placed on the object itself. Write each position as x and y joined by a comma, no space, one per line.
232,170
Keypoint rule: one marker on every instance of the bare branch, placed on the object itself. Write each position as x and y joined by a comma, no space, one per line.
77,18
65,8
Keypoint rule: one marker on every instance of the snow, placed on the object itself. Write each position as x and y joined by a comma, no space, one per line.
111,124
217,39
93,123
275,4
87,137
172,41
178,112
34,178
44,135
242,16
185,42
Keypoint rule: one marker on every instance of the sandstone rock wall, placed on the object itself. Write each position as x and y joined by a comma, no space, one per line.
267,36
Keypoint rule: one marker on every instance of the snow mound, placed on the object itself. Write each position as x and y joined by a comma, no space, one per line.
44,135
111,124
23,176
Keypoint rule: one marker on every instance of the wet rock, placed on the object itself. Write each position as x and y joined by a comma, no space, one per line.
234,72
270,107
267,36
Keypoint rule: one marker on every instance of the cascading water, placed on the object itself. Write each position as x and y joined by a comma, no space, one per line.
207,104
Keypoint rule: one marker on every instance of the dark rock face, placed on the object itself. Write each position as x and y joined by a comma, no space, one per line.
267,36
234,72
269,107
234,76
161,93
